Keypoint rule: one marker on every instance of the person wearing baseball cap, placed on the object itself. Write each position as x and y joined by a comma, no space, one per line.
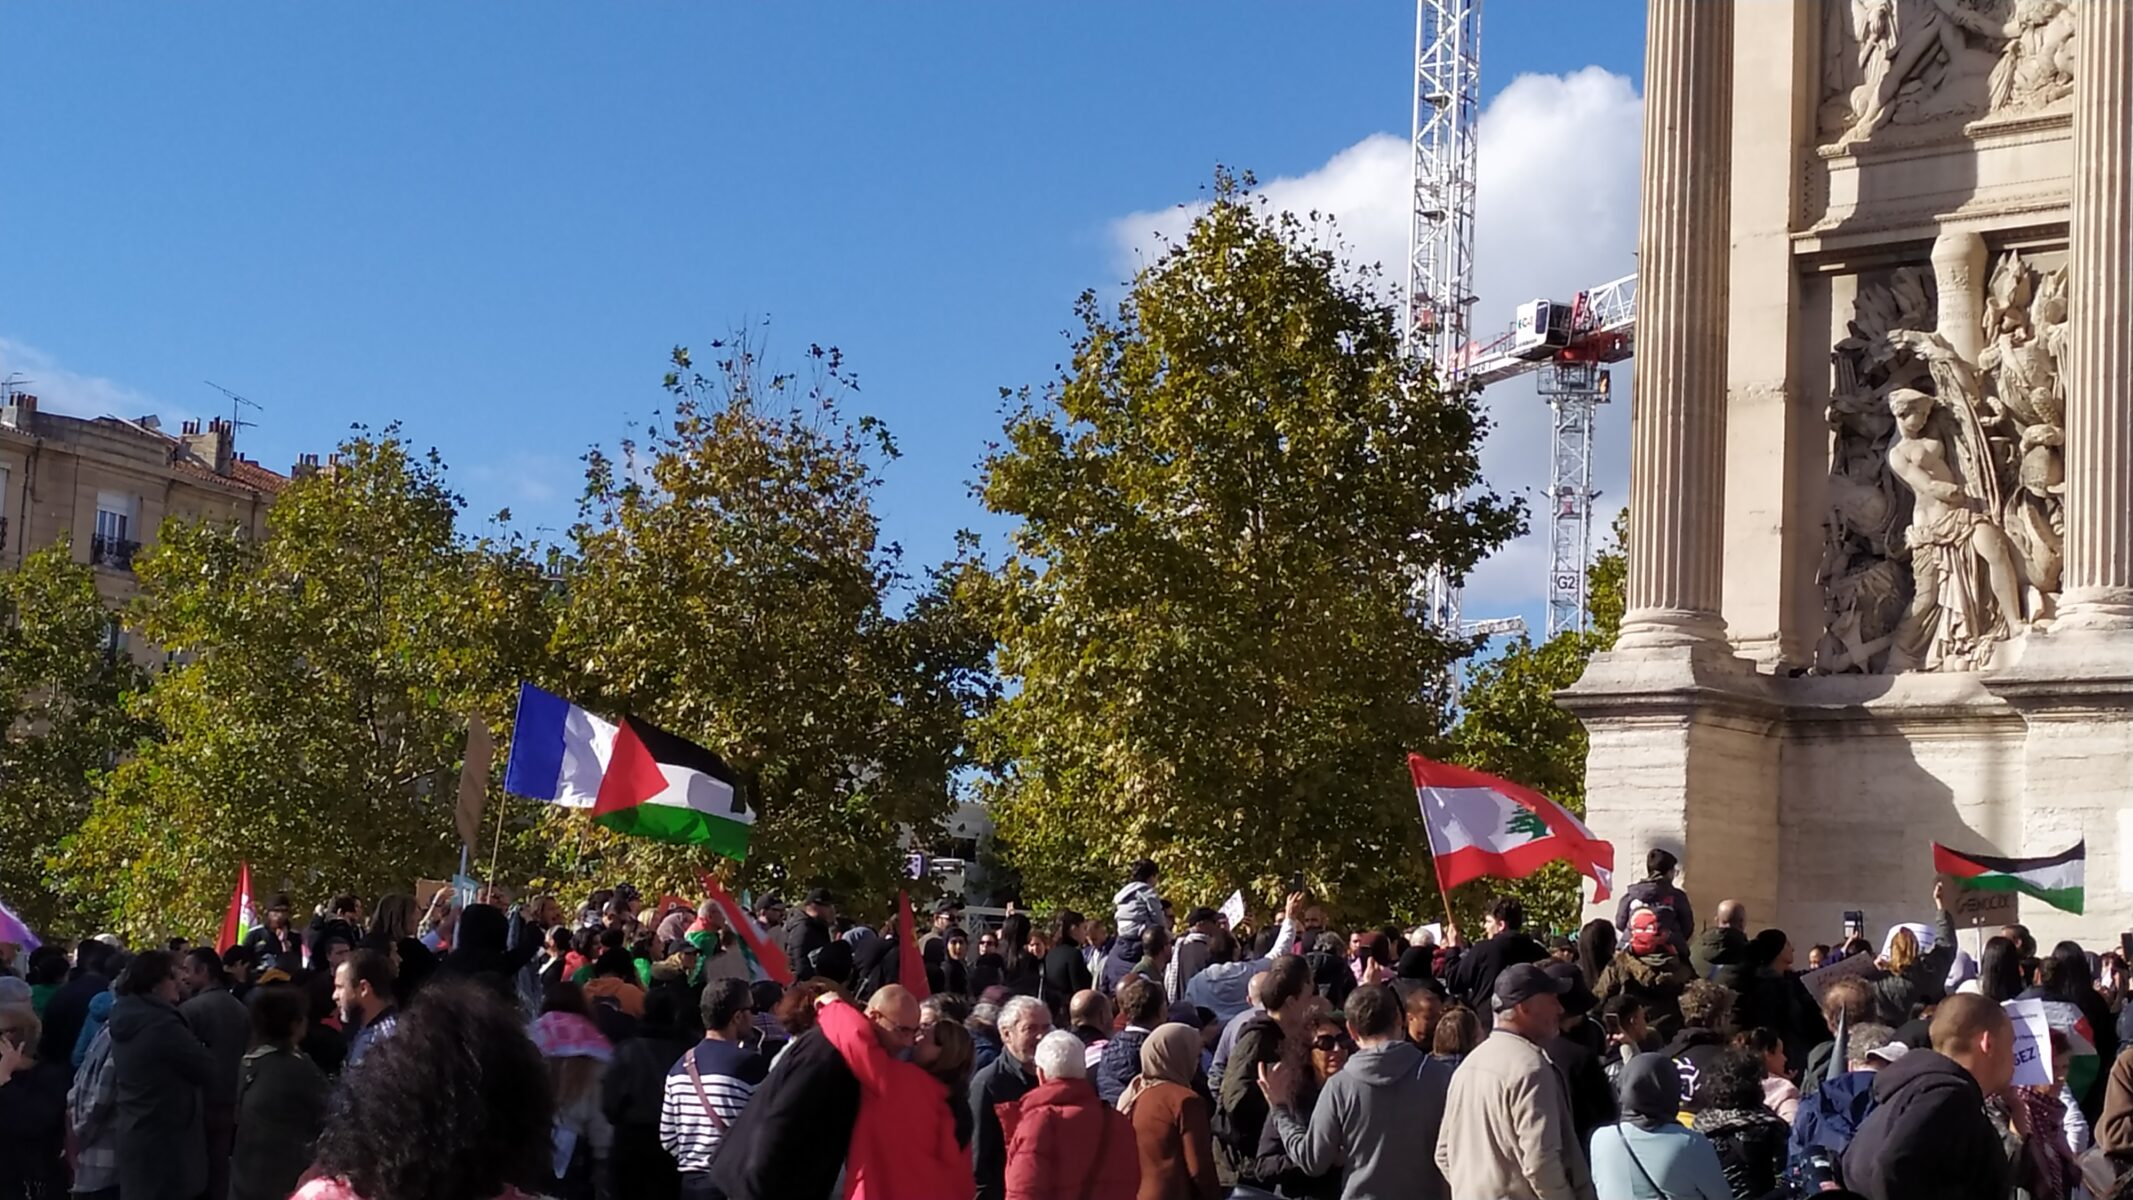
1507,1127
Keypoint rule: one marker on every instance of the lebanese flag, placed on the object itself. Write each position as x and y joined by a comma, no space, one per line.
1481,825
237,919
764,957
636,778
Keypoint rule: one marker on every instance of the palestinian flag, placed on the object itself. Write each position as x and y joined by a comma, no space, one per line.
636,778
765,959
2055,879
1482,825
238,918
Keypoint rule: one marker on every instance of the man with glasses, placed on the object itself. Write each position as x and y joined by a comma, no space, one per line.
708,1088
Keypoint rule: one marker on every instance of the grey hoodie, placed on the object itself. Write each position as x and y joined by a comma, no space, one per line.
1365,1124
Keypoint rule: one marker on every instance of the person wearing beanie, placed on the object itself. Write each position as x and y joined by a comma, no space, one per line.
1650,1150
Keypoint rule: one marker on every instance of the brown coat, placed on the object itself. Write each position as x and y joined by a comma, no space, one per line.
1170,1124
2114,1129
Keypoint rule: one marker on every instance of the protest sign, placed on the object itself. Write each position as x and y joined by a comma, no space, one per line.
1855,966
2033,1042
1976,906
1232,910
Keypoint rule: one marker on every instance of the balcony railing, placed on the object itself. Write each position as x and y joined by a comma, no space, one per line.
116,553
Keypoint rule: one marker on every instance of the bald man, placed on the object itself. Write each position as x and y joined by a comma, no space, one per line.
1724,944
1928,1136
896,1016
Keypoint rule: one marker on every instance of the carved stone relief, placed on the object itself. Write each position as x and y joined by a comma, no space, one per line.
1920,62
1946,474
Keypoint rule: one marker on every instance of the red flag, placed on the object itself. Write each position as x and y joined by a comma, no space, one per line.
769,958
237,919
910,964
1481,825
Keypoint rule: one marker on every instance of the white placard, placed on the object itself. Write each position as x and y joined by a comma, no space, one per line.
1232,909
2033,1042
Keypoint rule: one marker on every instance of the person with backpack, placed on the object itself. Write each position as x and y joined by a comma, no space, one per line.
1830,1115
1656,892
1648,968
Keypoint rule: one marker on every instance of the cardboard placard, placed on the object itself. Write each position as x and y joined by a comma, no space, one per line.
1976,907
2033,1042
1232,909
1855,966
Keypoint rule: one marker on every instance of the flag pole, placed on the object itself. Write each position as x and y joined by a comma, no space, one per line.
496,851
1437,875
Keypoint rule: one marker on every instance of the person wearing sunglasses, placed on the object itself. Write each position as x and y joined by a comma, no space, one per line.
1362,1127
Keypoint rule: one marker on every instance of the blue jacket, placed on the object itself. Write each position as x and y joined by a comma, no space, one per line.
1627,1161
1824,1127
1120,1063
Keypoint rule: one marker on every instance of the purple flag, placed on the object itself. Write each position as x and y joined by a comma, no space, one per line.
13,930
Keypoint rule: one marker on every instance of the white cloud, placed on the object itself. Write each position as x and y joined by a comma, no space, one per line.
1556,211
60,390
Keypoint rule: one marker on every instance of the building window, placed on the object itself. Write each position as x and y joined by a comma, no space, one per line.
113,545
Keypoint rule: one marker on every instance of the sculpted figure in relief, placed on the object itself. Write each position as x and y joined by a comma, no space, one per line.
1957,610
1949,468
1912,62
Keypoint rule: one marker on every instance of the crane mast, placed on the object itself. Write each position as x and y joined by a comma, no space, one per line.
1440,245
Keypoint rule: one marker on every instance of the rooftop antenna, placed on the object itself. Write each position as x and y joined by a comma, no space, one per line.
11,386
237,406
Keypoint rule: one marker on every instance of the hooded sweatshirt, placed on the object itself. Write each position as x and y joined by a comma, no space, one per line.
161,1069
1364,1123
1928,1136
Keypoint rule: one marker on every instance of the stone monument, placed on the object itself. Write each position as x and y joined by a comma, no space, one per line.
1881,499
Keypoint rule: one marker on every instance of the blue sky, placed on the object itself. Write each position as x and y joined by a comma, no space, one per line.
491,222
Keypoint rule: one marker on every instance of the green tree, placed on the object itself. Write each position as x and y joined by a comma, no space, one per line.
315,716
1228,503
65,687
730,585
1511,726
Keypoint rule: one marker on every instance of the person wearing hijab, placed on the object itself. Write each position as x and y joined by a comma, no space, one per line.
1649,1154
1170,1119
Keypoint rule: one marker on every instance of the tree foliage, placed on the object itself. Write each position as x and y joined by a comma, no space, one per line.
65,688
315,716
1227,502
1511,726
729,584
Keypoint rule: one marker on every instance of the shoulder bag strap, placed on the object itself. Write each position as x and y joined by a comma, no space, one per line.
1639,1164
696,1080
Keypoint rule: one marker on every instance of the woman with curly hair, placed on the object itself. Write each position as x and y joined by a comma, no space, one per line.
456,1103
1749,1138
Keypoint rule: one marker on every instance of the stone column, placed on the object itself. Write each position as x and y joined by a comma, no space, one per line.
2098,581
1678,422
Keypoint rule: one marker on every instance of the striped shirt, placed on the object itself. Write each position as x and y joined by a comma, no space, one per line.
730,1073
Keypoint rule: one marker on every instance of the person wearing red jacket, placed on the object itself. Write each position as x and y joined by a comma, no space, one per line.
903,1146
1063,1141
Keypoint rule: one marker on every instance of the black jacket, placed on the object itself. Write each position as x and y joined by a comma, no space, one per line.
1002,1080
33,1132
1663,898
1928,1137
791,1139
1473,977
1240,1107
64,1015
1693,1050
804,935
478,951
1065,974
161,1068
1751,1147
281,1110
1581,1055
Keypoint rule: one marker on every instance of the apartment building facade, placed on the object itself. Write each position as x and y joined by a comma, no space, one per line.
107,484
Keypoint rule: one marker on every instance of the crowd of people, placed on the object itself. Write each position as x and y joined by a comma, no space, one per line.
625,1050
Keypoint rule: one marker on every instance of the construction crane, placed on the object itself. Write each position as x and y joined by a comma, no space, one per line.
1570,345
1440,231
